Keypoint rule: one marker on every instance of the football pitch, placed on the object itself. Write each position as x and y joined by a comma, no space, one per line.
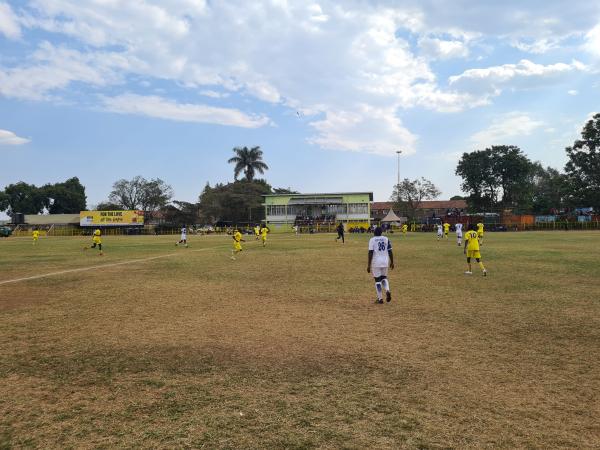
152,345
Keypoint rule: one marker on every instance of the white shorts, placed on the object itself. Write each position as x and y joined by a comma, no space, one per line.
379,271
459,235
184,237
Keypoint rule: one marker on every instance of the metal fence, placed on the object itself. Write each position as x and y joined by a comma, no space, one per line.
25,231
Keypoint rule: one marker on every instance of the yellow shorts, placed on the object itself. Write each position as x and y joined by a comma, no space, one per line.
97,240
473,254
237,246
480,234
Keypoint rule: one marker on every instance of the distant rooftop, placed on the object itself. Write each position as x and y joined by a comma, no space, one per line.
321,194
426,204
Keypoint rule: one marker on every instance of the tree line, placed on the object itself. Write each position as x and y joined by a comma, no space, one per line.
58,198
502,176
238,201
498,177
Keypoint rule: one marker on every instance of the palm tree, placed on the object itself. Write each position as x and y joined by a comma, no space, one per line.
249,161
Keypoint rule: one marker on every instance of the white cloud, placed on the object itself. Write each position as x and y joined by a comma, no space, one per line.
213,94
53,68
10,138
572,92
161,108
506,128
9,25
369,130
328,58
537,46
535,24
489,82
321,58
443,49
592,41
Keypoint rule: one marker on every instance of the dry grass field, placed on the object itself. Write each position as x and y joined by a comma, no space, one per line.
284,347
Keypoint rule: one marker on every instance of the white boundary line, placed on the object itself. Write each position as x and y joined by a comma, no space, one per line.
83,269
131,261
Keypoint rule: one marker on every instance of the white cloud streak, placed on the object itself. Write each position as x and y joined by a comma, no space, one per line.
592,41
10,138
506,128
489,82
9,25
162,108
368,130
344,62
443,49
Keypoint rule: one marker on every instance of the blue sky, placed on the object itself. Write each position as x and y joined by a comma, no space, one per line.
105,90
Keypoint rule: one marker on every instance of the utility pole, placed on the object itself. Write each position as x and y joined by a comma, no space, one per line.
398,152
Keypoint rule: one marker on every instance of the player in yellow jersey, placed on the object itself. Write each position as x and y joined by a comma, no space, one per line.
472,250
446,229
237,243
96,241
263,235
404,229
35,235
480,232
257,232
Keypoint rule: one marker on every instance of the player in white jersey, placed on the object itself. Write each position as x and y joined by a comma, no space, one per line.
458,228
440,231
183,237
380,258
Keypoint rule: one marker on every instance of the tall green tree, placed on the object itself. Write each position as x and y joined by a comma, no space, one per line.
180,213
549,190
24,198
284,191
65,198
499,176
477,172
142,194
237,202
583,167
248,161
515,174
4,201
409,194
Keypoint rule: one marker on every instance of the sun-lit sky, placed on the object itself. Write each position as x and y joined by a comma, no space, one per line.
108,89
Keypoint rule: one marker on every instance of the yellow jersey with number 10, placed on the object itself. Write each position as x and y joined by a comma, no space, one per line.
472,241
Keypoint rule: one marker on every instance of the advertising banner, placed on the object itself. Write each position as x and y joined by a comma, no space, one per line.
110,218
